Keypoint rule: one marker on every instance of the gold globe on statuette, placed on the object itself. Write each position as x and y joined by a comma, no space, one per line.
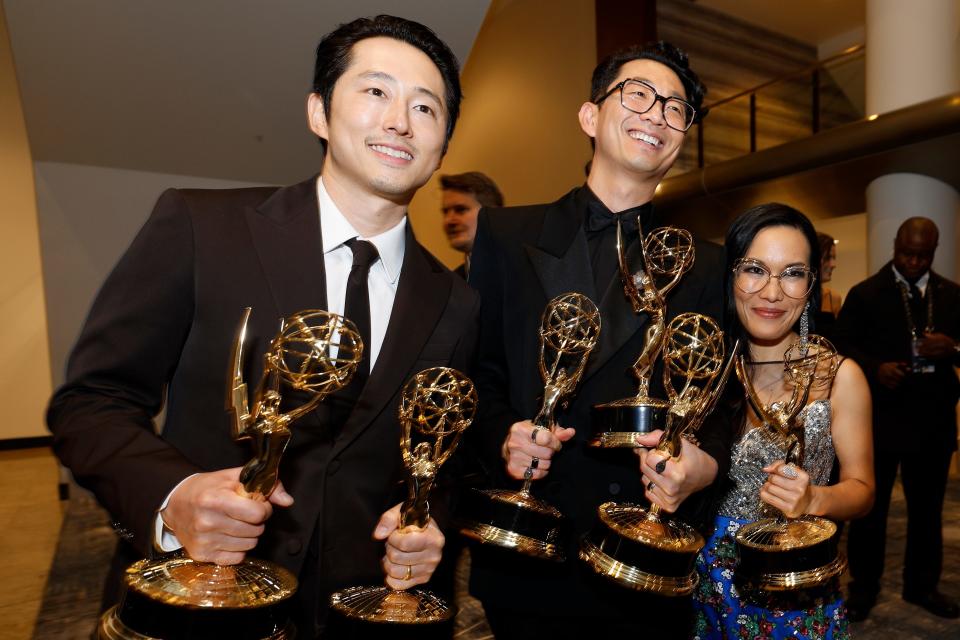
639,547
666,254
516,519
174,597
436,407
783,554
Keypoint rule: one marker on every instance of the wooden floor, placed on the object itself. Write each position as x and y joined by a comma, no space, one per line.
30,517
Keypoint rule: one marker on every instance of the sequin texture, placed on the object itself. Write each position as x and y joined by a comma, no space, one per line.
759,447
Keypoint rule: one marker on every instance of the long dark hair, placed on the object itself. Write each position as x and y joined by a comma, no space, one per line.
739,238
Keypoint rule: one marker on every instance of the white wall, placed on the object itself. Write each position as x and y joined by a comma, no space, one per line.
88,216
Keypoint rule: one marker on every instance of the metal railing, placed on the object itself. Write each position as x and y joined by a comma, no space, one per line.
818,97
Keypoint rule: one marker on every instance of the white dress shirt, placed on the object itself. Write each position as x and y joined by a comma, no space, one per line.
338,259
921,282
337,262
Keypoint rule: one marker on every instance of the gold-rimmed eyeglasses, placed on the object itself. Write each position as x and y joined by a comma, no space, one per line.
750,276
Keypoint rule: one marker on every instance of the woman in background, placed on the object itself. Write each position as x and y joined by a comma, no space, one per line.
773,259
830,300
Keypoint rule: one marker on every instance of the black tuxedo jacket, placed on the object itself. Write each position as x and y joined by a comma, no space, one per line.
161,331
523,257
873,329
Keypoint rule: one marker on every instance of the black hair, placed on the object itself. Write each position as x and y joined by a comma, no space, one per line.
664,53
333,58
477,184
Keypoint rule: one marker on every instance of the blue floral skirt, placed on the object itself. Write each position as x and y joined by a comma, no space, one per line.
725,609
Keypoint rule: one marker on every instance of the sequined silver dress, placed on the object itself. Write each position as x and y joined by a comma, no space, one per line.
723,611
758,447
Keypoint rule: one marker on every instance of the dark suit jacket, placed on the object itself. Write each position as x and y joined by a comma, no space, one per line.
523,257
872,329
161,329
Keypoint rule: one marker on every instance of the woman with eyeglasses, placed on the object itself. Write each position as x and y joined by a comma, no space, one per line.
773,260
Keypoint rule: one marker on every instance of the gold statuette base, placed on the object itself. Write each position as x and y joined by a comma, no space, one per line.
175,597
385,605
782,555
637,524
182,582
794,580
512,520
490,534
634,578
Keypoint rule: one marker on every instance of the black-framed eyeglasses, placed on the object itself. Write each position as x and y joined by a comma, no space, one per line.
750,276
639,96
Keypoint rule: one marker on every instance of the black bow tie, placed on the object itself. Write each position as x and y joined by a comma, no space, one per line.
599,217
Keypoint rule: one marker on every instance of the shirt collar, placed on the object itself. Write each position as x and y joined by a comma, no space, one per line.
336,229
921,281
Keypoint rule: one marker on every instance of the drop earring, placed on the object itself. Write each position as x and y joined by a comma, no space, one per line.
805,327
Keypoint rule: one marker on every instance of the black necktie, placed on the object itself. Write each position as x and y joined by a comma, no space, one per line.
356,306
917,308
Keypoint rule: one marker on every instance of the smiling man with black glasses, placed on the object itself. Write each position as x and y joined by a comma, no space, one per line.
642,102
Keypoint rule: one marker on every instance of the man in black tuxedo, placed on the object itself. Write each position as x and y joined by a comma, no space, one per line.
642,103
462,195
385,100
902,326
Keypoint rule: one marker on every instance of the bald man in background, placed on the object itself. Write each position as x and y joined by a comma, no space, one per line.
902,325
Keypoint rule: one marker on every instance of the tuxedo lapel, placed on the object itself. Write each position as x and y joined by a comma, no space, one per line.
561,258
422,295
562,263
286,233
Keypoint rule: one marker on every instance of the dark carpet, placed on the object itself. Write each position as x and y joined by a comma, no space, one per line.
72,595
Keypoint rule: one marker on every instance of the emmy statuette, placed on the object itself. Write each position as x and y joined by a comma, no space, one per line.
641,548
783,554
666,254
517,520
315,352
436,407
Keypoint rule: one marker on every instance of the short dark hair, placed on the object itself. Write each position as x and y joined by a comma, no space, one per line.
739,237
477,184
333,57
664,53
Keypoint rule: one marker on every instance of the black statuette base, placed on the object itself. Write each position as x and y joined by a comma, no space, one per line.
138,616
617,425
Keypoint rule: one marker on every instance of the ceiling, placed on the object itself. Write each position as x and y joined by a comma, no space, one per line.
810,21
211,88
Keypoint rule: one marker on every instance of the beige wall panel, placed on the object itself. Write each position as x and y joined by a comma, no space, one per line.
24,362
851,235
526,77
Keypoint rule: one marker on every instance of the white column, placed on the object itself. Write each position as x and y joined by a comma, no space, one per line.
913,55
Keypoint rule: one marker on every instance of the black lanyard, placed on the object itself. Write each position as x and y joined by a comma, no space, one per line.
905,296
